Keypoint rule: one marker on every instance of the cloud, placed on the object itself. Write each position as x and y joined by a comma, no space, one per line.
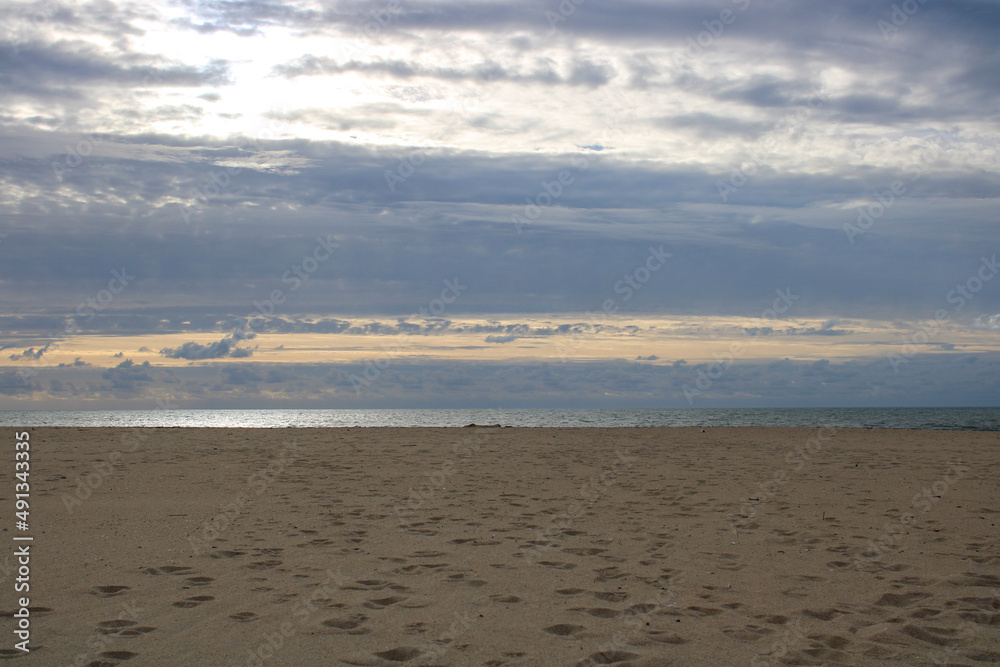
964,379
62,68
580,71
31,353
225,347
501,339
127,375
12,384
987,322
240,374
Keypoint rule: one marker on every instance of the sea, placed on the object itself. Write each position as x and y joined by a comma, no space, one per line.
973,419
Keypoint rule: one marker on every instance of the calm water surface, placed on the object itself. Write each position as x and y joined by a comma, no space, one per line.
978,419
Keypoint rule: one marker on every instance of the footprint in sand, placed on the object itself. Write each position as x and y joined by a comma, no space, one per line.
244,616
368,585
643,608
666,637
584,551
559,565
748,634
933,635
505,599
188,603
400,654
609,658
350,624
263,564
119,655
611,596
705,611
900,599
199,581
122,626
417,628
774,619
564,630
174,569
109,591
609,574
382,603
822,614
228,554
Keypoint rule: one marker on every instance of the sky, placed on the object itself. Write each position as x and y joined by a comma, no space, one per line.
527,203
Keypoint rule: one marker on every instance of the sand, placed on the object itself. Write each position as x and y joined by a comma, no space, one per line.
512,546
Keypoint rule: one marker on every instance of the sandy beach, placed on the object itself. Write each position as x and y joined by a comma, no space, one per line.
507,546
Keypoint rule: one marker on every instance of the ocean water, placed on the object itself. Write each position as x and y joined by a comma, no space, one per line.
976,419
